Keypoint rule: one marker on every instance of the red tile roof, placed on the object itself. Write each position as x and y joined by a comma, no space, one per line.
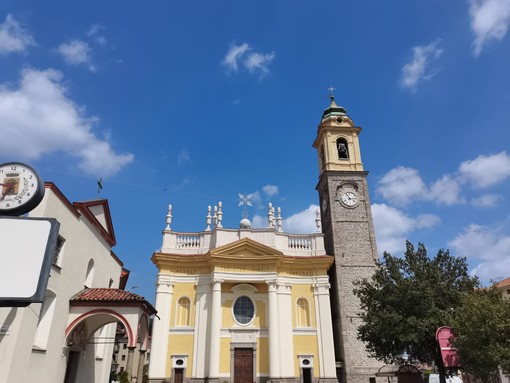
104,295
503,283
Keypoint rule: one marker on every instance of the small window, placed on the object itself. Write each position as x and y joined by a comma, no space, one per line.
123,357
124,346
57,254
90,273
244,310
303,313
183,311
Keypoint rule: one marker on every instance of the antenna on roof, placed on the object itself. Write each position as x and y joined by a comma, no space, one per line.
99,185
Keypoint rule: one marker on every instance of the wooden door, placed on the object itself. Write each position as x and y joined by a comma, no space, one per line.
243,365
178,375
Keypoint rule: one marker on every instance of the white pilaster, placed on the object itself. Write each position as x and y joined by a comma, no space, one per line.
214,357
324,330
274,341
200,354
285,330
159,344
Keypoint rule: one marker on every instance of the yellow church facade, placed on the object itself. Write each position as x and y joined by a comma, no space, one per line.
242,305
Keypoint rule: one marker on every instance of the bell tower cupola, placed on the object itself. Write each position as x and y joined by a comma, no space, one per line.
337,141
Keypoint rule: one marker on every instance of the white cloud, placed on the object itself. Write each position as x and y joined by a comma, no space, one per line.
488,248
299,223
302,222
485,171
270,190
13,37
401,186
233,55
255,63
489,21
183,157
40,114
76,52
392,227
445,191
486,200
95,33
259,222
259,62
420,67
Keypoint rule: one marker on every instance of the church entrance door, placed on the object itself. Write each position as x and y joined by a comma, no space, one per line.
243,365
178,375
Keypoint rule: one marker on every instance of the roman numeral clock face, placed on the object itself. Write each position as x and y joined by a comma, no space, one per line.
21,189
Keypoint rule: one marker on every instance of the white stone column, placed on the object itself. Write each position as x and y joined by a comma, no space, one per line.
324,330
285,331
161,326
214,357
274,336
200,348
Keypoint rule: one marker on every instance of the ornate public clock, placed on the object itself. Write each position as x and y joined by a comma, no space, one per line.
21,189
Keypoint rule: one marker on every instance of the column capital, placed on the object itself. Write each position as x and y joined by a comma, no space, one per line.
320,288
272,284
284,288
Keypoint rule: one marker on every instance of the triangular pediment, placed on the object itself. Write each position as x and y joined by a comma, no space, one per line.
98,213
246,248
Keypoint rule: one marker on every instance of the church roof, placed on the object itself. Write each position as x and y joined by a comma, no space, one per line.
108,295
333,110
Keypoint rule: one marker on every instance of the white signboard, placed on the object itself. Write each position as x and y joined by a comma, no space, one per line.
26,250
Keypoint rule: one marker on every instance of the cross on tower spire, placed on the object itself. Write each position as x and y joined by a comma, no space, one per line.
331,89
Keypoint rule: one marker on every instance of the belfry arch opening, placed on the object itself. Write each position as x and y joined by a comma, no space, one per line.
342,148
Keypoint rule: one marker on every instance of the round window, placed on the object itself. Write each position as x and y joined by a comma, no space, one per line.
179,362
243,310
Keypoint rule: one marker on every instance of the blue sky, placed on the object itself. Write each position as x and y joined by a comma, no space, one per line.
191,103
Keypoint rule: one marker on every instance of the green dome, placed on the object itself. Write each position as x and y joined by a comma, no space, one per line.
334,110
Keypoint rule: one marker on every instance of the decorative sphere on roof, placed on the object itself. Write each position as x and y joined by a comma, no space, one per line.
245,223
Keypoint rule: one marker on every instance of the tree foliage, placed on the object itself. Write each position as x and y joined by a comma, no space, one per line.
482,327
407,299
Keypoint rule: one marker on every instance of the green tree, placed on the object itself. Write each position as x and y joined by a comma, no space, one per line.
124,377
407,299
482,327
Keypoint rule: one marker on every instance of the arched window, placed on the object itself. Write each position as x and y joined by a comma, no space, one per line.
42,333
322,157
90,274
343,149
183,311
303,313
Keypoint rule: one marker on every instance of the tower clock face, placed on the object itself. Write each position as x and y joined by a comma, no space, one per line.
21,189
349,198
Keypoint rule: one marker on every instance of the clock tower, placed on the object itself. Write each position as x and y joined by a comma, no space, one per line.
348,234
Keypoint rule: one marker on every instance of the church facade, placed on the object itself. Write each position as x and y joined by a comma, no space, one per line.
255,305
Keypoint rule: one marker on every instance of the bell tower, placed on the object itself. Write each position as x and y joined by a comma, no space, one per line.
348,235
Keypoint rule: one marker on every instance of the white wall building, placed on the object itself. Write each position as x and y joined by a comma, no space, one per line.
69,336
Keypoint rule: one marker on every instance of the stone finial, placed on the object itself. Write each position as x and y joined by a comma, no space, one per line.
318,220
220,214
279,220
215,217
270,215
208,219
169,218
